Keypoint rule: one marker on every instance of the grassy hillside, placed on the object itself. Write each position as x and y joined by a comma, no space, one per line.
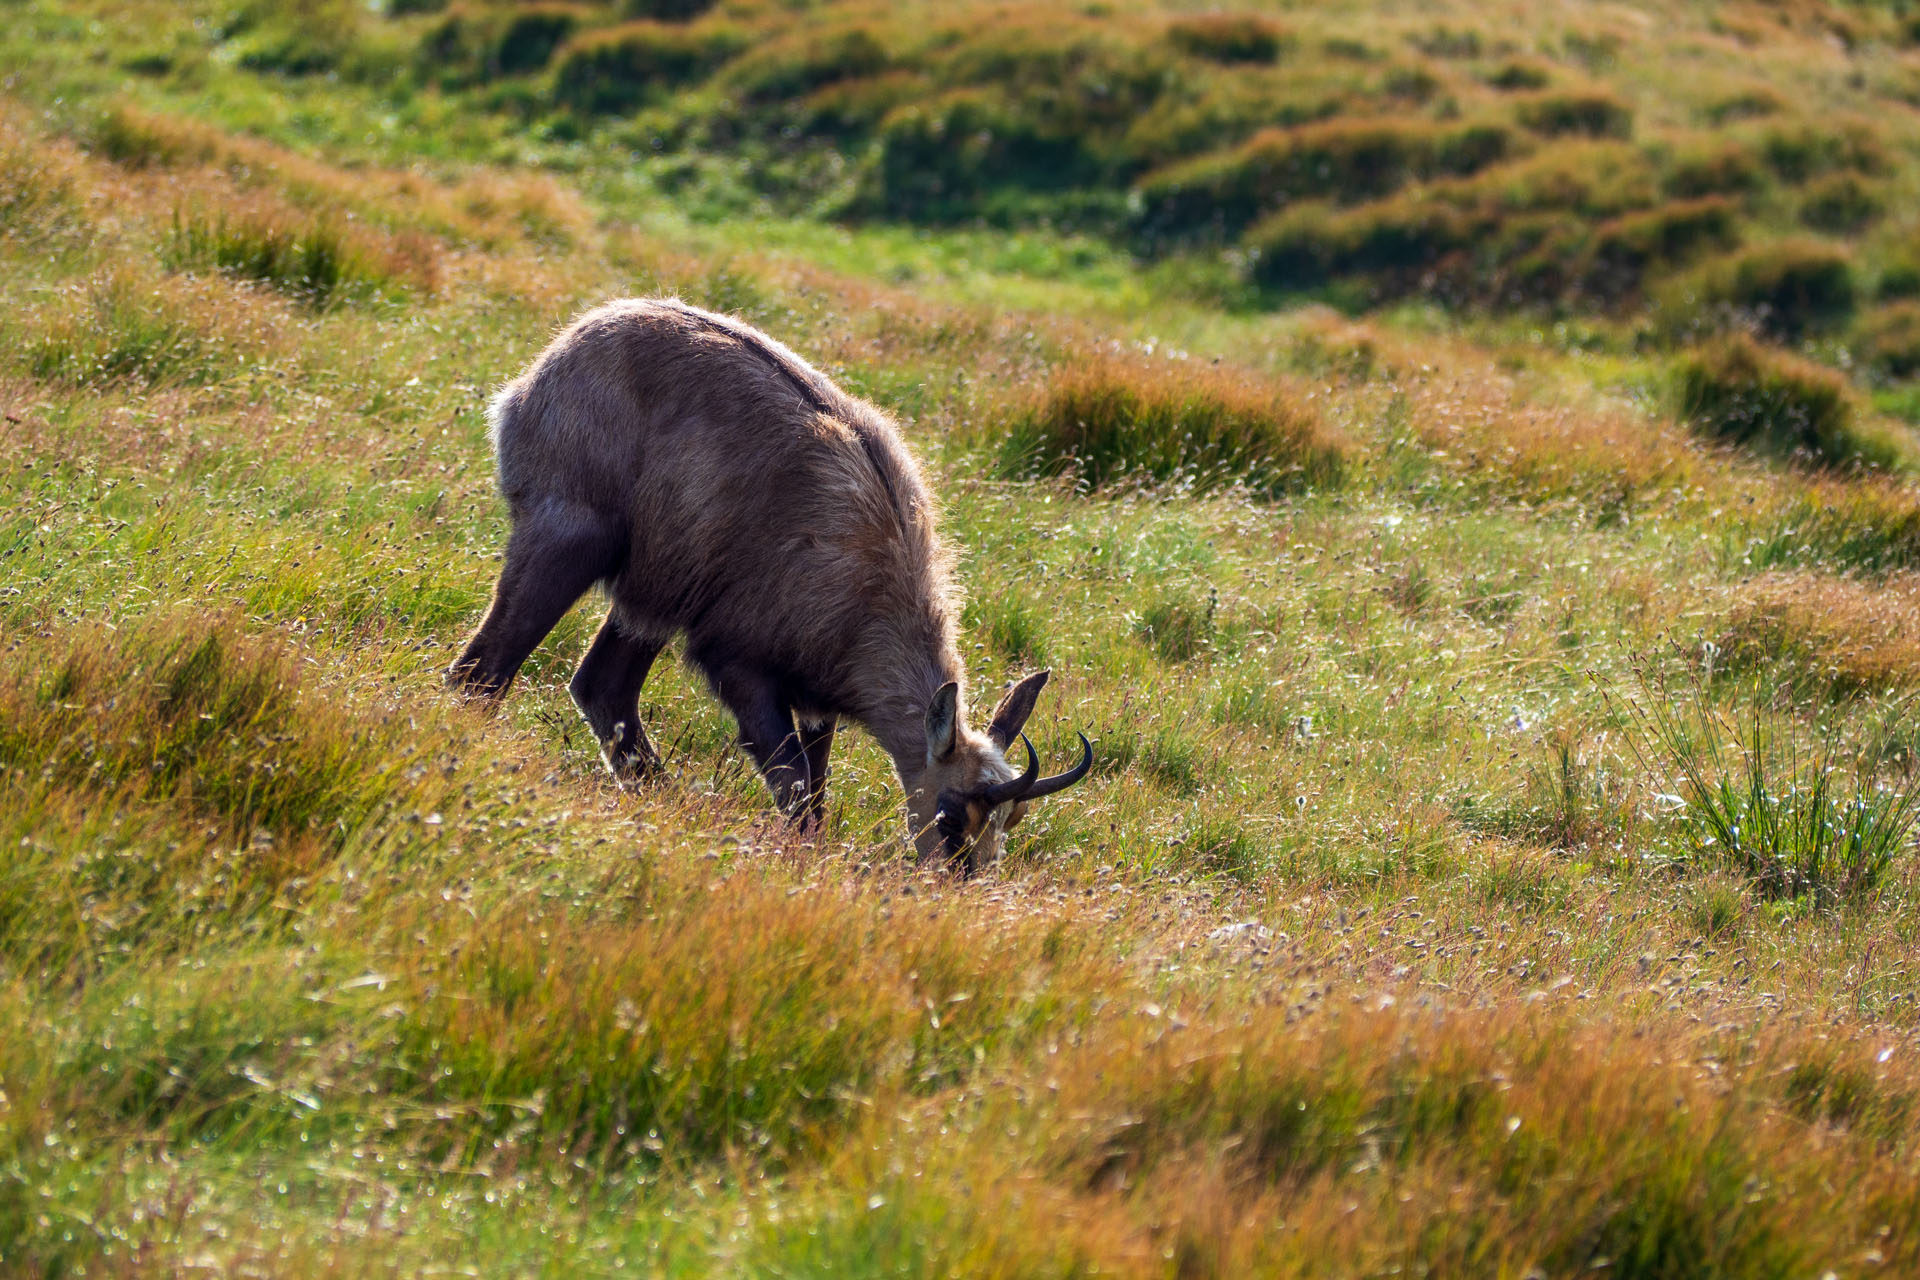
1453,459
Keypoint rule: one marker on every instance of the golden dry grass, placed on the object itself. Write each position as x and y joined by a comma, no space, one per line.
1860,636
1268,996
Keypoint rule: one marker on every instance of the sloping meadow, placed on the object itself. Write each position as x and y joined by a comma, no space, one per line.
1385,935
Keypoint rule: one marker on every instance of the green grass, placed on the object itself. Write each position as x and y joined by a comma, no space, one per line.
1793,818
1370,946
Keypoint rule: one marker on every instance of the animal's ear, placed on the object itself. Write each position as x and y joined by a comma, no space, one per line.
1010,717
943,721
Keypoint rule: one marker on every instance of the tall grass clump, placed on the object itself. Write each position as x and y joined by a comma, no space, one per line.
1738,390
116,328
37,194
314,260
137,139
174,782
1107,420
1852,637
199,717
1795,818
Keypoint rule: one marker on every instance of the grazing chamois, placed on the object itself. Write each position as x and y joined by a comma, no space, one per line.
721,488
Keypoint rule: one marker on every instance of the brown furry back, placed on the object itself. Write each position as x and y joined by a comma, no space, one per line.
778,522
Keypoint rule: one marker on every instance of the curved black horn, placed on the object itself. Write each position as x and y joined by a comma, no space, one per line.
1061,781
1016,788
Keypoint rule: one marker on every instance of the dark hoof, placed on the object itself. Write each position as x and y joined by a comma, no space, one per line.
635,768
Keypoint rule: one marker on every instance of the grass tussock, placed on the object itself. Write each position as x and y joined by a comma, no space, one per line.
1741,391
476,44
1859,637
621,68
1795,819
194,717
1229,37
138,139
1471,1114
1889,339
1343,161
1867,525
319,261
38,189
1108,419
1592,113
1575,225
177,782
120,328
1786,290
653,1042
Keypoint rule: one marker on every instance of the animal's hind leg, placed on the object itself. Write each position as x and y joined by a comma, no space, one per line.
606,688
816,743
553,555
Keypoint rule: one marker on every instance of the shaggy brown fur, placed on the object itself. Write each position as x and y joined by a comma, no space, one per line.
719,487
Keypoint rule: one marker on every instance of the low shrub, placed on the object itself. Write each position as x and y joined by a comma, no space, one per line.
1738,390
1107,420
1346,161
620,68
1588,113
1229,37
1889,339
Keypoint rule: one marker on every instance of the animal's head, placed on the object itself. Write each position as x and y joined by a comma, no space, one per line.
968,796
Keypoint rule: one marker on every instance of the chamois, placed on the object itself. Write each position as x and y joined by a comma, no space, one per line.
720,488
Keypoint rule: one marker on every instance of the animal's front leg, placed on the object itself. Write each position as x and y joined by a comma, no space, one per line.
768,734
